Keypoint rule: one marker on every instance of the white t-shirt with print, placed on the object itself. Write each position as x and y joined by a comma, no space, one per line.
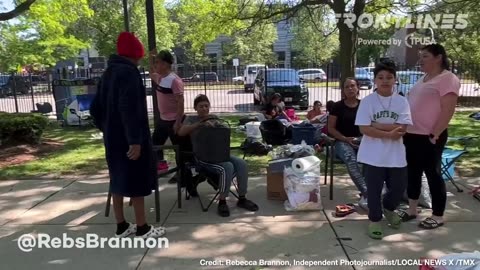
383,152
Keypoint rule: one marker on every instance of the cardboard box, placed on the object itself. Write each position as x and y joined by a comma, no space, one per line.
275,189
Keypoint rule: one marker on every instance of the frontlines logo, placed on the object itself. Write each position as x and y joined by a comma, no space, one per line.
422,21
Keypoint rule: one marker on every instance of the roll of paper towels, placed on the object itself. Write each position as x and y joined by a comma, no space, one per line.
304,164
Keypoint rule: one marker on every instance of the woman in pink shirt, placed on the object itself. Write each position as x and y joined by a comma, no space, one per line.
432,102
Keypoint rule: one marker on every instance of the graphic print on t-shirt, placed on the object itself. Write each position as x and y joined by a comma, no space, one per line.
382,152
385,114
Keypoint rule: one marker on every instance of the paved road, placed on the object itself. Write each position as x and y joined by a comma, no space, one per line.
233,100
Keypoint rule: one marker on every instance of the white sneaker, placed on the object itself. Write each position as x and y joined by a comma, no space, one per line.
363,203
154,232
132,228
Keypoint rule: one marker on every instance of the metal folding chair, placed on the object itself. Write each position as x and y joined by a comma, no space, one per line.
330,161
450,156
212,179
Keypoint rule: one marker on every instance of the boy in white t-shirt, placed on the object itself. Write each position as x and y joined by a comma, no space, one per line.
383,117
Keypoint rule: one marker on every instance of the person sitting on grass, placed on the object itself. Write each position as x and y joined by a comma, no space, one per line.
236,167
275,109
313,114
383,117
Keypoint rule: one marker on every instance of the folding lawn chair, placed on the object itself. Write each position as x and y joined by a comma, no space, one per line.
450,156
213,178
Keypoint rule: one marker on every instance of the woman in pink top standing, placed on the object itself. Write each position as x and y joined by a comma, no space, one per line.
432,102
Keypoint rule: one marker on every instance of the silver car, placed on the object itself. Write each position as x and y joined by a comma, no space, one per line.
313,75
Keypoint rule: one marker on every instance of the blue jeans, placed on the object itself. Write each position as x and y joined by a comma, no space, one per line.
348,155
235,167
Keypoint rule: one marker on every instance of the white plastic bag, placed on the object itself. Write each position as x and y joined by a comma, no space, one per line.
460,261
303,189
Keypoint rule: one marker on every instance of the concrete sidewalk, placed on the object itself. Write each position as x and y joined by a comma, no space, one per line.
196,238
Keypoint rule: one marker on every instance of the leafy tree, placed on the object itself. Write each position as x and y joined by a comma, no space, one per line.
462,45
278,10
315,40
369,53
203,21
252,45
40,35
17,11
103,27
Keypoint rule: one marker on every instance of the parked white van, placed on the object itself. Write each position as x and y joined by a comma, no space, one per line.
250,74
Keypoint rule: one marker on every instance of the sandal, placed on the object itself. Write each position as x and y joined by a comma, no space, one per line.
154,232
375,230
430,223
475,191
405,216
393,219
344,210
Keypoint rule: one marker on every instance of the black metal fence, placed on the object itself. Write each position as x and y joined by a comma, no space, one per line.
240,89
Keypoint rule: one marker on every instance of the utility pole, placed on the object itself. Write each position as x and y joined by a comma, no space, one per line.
151,46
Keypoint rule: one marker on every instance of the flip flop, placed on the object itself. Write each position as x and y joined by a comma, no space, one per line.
375,230
393,219
405,216
475,191
430,224
344,210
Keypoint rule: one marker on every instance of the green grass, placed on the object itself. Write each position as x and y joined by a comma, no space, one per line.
462,125
80,155
84,155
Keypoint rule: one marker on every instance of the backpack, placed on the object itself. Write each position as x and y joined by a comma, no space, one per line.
255,147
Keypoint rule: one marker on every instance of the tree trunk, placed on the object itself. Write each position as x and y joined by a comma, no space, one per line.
348,56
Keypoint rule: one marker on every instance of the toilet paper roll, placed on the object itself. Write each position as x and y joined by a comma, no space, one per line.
304,164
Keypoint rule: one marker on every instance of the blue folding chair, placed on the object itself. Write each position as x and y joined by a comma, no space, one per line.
450,156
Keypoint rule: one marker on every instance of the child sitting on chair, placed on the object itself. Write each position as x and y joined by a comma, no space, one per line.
236,167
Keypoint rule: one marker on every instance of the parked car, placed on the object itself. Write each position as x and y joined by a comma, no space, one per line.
210,77
370,71
38,79
406,80
284,81
313,75
11,82
249,75
237,80
363,77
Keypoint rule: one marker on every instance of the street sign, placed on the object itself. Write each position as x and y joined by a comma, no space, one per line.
236,63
